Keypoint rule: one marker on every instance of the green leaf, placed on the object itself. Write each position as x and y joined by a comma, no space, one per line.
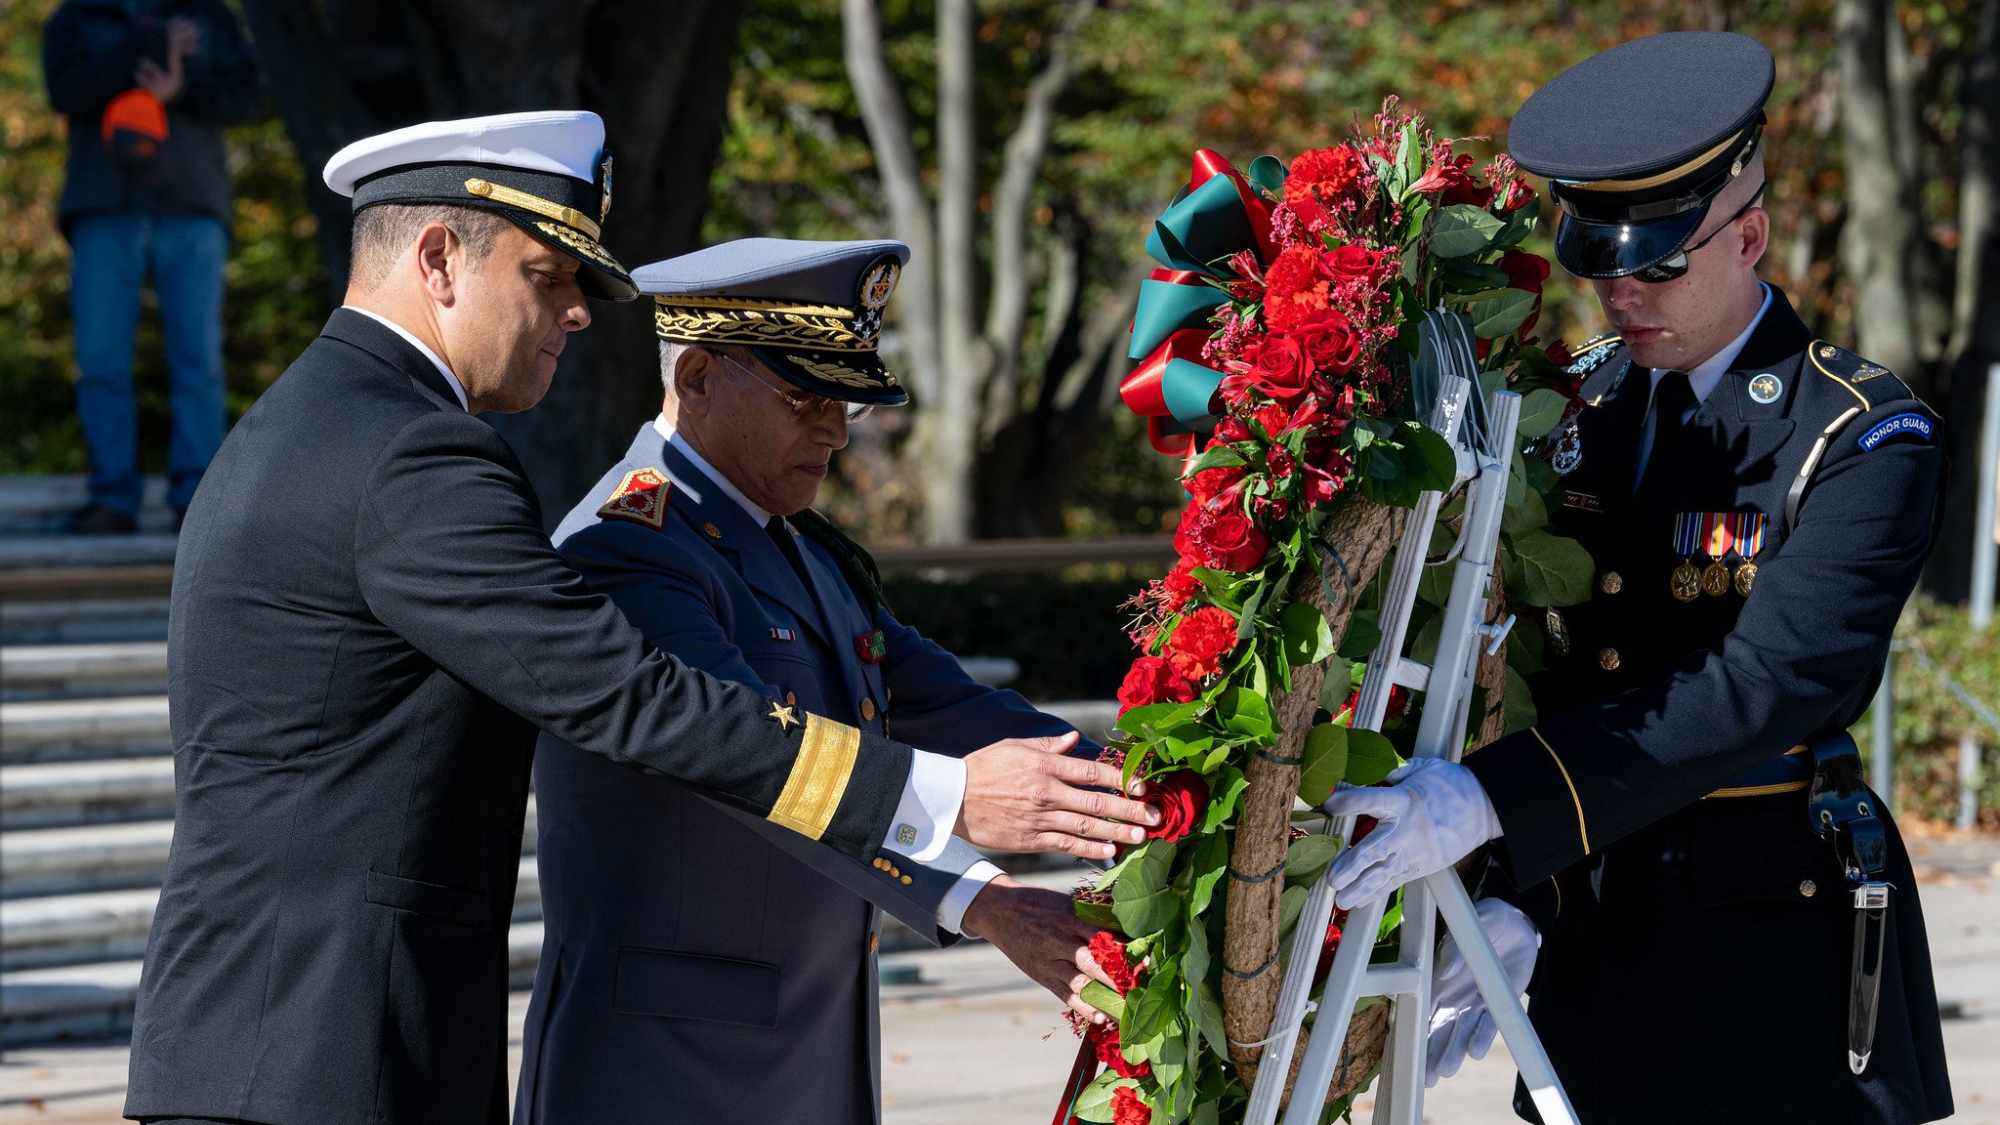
1208,1017
1246,713
1497,312
1463,229
1525,512
1135,720
1540,411
1520,702
1222,799
1290,903
1218,456
1334,689
1433,466
1546,570
1370,757
1100,996
1094,1103
1362,635
1325,762
1147,1012
1307,857
1524,645
1211,860
1308,638
1142,901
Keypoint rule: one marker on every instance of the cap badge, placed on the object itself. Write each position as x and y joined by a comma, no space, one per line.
878,284
1766,388
604,196
641,498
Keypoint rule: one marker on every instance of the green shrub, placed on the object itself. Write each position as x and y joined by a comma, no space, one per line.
1929,717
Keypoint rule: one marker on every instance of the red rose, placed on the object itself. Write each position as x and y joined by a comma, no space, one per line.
1180,796
1223,538
1200,641
1109,953
1152,680
1128,1108
1330,341
1104,1040
1280,366
1349,263
1180,585
1527,272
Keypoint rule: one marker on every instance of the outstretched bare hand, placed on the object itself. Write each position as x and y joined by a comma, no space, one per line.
1026,795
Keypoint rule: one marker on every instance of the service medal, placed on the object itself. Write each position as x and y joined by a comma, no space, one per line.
1746,577
1686,581
1715,579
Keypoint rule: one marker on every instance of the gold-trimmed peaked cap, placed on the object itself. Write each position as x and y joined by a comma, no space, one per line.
547,171
1637,141
812,311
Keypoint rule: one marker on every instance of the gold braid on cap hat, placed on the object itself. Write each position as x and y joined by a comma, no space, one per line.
748,320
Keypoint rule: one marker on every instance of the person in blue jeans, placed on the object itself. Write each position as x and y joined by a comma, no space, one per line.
148,87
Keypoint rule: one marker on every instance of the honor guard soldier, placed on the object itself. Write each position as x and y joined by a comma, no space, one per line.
1729,929
368,628
726,970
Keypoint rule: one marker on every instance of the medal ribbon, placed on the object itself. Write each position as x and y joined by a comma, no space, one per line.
1749,534
1719,533
1688,532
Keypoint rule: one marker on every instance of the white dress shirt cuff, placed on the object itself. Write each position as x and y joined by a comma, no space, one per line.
929,808
952,907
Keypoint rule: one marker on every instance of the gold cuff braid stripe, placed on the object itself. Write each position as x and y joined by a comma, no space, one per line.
1582,829
819,777
756,326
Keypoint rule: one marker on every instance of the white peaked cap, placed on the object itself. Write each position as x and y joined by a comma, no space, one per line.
567,142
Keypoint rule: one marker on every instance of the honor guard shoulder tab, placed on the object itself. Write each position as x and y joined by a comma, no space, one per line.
640,498
856,564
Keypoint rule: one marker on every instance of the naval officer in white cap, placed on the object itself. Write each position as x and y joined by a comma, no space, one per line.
368,627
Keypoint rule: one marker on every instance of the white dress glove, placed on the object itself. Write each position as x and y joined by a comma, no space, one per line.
1460,1023
1428,819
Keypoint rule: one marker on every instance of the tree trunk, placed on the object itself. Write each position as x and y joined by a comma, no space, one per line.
1975,333
1883,230
345,71
950,423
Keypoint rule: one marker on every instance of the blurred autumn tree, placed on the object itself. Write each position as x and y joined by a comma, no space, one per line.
1145,82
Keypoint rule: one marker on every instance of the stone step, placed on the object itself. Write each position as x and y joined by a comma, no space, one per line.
79,929
48,550
70,729
82,671
82,859
84,620
43,503
95,1001
60,794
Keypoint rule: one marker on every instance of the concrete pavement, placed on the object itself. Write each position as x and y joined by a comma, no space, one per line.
970,1043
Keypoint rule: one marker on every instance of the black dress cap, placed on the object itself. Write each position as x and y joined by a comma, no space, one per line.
1636,142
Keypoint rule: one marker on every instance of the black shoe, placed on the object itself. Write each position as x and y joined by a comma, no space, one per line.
100,520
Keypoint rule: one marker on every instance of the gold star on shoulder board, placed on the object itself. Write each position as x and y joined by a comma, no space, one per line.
784,715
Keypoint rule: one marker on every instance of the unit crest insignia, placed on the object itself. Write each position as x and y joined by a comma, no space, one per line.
641,498
604,195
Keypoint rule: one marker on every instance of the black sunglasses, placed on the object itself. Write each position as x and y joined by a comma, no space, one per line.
1675,265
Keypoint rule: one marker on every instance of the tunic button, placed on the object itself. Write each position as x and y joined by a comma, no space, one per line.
791,700
1611,582
714,532
906,880
1808,888
1607,659
867,710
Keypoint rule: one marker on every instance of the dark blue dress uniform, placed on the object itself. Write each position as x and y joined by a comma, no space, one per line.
1697,933
368,628
698,965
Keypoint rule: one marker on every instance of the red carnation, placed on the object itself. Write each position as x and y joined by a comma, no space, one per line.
1328,175
1127,1108
1181,796
1180,585
1153,680
1104,1040
1293,288
1223,538
1527,272
1109,953
1198,644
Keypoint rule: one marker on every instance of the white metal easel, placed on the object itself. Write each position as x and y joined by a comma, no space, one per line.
1482,435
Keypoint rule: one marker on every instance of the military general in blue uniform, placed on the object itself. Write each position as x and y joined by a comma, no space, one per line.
1729,928
699,966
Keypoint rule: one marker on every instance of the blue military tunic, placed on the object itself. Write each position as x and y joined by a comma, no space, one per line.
1696,932
699,966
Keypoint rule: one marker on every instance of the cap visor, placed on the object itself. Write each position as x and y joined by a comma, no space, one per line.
601,276
1603,250
846,376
